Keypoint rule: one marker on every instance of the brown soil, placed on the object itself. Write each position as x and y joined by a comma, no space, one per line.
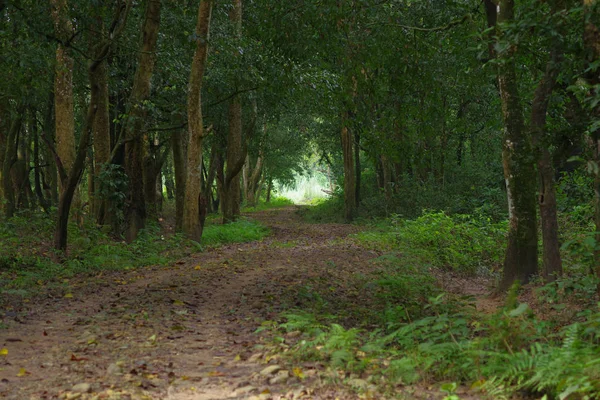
179,333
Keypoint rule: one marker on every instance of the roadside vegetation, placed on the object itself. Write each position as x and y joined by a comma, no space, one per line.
425,311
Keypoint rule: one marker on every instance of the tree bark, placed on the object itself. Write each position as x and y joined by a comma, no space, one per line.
37,164
231,188
135,212
210,177
51,170
349,172
10,157
63,89
520,263
179,145
101,136
552,263
72,178
153,163
357,167
591,40
194,209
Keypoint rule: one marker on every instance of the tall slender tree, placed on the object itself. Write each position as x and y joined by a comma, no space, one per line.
133,136
194,207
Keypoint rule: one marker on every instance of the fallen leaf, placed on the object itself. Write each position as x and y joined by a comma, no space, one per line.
266,391
178,303
197,267
23,372
216,373
78,359
4,352
237,358
298,373
69,296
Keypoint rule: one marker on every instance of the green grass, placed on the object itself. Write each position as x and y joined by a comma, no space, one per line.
243,230
28,262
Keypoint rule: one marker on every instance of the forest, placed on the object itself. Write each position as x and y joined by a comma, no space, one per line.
441,242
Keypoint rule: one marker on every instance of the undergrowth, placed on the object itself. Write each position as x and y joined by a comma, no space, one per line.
391,325
502,354
28,261
463,243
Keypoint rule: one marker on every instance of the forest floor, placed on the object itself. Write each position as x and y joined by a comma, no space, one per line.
186,331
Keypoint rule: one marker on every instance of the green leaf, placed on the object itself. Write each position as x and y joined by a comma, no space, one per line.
519,310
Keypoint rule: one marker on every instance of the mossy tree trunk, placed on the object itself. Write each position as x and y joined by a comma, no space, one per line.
235,155
591,39
521,259
552,263
10,157
135,212
194,207
71,178
101,208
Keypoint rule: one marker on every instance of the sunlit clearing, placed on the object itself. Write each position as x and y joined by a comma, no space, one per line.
306,189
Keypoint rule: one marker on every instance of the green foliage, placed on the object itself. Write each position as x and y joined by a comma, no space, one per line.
463,243
500,354
574,194
578,287
27,260
325,210
242,230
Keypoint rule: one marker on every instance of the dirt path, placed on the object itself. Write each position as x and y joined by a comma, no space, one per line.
182,332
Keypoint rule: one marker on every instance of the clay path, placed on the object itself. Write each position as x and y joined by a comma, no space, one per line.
181,332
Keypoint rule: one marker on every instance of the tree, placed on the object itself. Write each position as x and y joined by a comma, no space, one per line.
235,153
591,41
132,135
194,207
72,177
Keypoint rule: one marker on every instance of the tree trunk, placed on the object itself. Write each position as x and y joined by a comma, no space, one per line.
552,263
71,180
194,209
135,212
51,170
253,181
63,89
210,177
520,263
4,129
591,40
231,189
101,135
37,164
269,190
10,157
179,144
357,167
153,163
349,173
